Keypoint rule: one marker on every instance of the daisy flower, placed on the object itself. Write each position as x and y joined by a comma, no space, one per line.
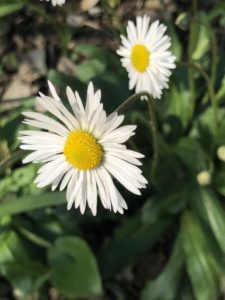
56,2
146,57
82,150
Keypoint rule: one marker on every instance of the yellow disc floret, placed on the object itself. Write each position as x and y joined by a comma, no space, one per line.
140,57
82,150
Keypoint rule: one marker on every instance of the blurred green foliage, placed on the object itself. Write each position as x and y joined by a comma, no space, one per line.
178,221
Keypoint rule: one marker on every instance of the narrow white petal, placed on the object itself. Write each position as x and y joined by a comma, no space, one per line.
66,179
109,186
103,193
77,182
83,195
53,91
122,179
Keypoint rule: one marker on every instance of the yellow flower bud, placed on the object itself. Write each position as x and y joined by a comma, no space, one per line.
221,153
204,178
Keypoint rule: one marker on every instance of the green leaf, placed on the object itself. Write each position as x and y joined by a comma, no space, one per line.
95,52
7,9
25,204
165,286
74,268
176,47
16,265
23,276
133,239
111,83
168,170
206,120
182,21
11,248
213,214
61,80
178,97
185,291
24,176
218,181
203,134
192,155
5,185
105,70
200,38
220,136
9,129
172,201
220,95
89,69
201,266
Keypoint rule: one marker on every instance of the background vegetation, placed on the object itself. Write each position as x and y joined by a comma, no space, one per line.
170,244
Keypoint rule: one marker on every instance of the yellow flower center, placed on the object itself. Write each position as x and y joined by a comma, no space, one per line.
82,150
140,57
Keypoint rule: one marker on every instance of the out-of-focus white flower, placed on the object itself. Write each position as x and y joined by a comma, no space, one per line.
146,57
56,2
204,178
82,151
221,153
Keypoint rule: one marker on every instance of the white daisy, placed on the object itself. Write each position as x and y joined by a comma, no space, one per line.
146,57
56,2
82,151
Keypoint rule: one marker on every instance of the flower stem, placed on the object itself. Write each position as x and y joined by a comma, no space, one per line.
130,100
194,7
153,123
11,159
191,38
214,54
34,238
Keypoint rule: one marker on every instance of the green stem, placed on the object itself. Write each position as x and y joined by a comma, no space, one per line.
153,123
210,87
34,238
131,100
191,81
194,7
11,159
214,54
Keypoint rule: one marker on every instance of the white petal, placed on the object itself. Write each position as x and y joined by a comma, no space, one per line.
109,186
53,91
122,179
77,182
66,179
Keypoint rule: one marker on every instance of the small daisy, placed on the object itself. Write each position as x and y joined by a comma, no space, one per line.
56,2
82,151
146,57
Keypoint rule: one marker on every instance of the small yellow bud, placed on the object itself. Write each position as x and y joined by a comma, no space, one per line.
204,178
221,153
